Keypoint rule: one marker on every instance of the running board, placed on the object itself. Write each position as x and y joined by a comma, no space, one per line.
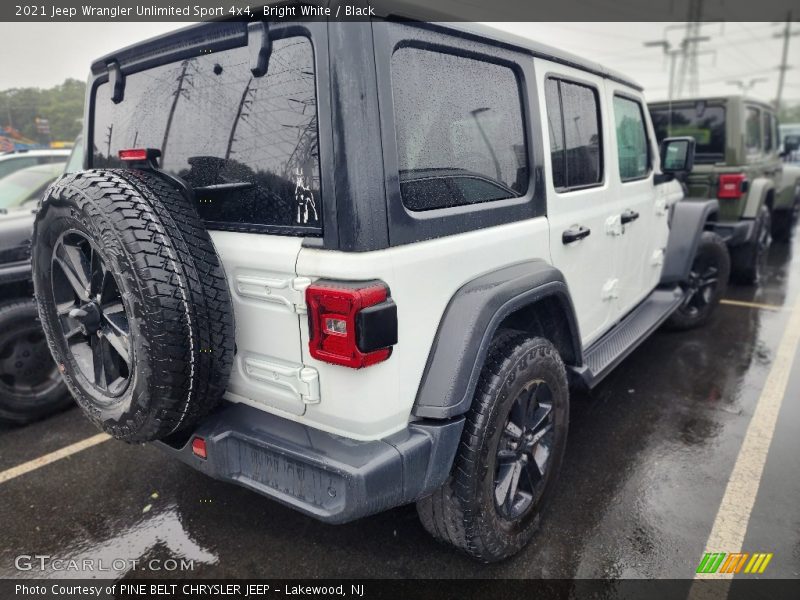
611,349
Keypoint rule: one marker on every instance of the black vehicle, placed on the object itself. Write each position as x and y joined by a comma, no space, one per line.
30,384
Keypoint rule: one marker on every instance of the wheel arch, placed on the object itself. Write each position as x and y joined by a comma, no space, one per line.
531,296
759,193
689,219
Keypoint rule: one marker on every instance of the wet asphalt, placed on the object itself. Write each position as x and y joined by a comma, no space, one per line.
649,456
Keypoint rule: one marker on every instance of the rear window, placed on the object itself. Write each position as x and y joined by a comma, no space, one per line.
249,146
704,122
573,116
460,130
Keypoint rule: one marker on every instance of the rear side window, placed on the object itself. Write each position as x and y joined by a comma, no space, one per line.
573,116
632,148
752,130
766,125
704,122
460,130
249,146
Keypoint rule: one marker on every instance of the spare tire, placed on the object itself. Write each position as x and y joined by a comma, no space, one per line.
133,301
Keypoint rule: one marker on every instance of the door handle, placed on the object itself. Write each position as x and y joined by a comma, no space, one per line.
628,216
575,233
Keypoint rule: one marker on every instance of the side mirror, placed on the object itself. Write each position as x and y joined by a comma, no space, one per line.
791,143
677,155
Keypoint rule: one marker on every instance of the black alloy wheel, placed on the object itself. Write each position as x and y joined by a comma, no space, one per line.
25,362
523,454
92,314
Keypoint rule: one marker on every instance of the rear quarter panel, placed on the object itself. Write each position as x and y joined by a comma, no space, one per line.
375,402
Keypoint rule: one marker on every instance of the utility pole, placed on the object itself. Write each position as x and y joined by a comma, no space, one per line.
108,140
673,55
689,67
746,86
177,94
245,102
787,33
8,109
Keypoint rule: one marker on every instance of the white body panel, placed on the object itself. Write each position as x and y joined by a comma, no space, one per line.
260,270
374,402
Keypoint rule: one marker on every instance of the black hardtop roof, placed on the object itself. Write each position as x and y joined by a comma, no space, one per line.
139,56
712,99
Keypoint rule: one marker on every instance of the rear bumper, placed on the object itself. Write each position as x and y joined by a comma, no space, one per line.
735,233
332,478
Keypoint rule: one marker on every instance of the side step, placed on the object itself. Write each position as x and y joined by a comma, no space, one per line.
611,349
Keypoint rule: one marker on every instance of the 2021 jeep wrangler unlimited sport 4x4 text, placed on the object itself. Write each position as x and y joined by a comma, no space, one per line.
356,265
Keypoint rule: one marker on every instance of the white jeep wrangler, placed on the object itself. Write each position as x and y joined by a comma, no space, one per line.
352,266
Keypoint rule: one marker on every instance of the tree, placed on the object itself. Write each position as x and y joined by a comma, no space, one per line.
61,105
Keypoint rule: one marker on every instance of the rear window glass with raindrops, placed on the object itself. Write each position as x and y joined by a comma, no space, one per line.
460,130
247,145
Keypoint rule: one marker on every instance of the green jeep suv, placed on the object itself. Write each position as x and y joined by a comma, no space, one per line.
738,162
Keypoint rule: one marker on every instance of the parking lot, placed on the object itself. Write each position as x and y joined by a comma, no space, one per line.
648,465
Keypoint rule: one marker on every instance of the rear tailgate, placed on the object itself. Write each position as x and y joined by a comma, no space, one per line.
248,146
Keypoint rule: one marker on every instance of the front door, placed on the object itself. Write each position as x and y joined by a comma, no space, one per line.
643,211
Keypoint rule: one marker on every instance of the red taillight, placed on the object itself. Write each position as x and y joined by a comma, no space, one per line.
351,324
732,186
139,154
133,154
199,448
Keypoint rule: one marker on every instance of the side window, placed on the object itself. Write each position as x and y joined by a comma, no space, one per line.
460,130
752,128
574,117
632,148
15,164
766,125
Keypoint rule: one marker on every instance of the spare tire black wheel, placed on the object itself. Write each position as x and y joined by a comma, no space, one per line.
133,300
30,385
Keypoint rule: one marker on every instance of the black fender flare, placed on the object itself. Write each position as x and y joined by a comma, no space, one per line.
469,324
688,221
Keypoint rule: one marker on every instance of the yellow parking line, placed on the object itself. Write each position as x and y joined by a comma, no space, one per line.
751,305
733,515
42,461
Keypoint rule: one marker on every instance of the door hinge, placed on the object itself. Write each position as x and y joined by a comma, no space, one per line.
658,258
661,207
289,292
611,289
614,225
301,380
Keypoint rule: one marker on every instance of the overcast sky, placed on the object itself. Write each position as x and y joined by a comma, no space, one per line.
43,54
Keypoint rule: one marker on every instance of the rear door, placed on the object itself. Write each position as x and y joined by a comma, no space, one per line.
581,209
248,146
643,215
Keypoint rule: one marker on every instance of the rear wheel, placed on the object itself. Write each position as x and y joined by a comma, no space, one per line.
30,384
706,284
783,223
510,452
134,302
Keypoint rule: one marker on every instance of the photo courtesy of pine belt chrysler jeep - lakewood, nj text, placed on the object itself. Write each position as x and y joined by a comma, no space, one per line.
351,266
